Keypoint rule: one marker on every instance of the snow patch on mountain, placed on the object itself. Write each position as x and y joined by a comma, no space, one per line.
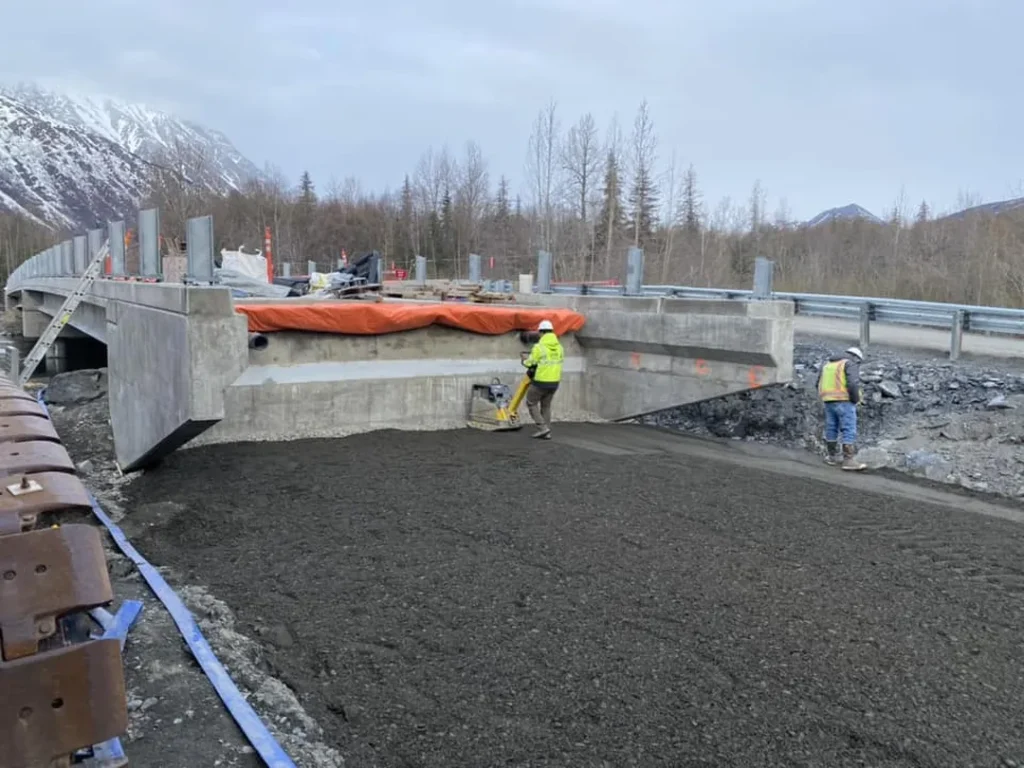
844,213
70,160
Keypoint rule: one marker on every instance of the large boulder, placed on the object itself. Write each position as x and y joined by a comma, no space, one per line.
77,387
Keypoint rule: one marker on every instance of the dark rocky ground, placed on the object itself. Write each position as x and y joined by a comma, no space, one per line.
960,423
176,719
465,599
450,599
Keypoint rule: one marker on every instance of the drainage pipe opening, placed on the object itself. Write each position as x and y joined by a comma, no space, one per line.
258,341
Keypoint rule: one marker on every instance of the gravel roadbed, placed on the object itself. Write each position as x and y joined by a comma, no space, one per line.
603,599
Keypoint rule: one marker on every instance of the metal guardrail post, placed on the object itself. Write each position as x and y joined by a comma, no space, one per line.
543,272
957,336
634,272
286,269
199,249
764,270
421,270
95,242
310,266
80,258
67,258
475,268
117,251
149,243
865,326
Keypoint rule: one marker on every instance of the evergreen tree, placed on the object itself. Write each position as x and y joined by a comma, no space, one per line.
408,220
923,214
691,203
446,255
610,219
643,206
502,217
307,192
502,206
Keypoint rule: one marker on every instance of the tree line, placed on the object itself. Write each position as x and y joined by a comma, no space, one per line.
588,195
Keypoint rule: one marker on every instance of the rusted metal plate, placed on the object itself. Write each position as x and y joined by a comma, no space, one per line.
34,456
20,407
24,497
44,575
18,429
58,702
12,392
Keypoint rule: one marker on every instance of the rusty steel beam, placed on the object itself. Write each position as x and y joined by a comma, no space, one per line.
18,407
9,391
24,497
58,694
45,575
33,456
58,702
18,429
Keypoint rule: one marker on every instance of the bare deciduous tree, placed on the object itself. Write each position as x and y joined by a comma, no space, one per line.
580,163
541,167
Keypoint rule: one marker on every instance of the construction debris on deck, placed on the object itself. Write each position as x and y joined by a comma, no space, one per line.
446,290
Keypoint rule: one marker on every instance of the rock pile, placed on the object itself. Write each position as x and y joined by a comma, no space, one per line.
950,422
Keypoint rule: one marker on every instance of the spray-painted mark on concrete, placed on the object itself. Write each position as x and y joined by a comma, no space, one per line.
702,367
634,360
755,376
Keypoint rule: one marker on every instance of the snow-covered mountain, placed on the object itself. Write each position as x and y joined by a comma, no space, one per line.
844,213
72,160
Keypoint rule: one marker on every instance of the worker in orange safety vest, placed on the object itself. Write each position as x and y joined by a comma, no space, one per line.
840,390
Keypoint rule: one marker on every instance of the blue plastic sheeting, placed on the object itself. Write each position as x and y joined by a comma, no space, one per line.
117,625
262,740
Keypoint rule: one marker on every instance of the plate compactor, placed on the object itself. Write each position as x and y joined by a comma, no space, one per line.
494,407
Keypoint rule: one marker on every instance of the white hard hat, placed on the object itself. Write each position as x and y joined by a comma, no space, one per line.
855,351
545,325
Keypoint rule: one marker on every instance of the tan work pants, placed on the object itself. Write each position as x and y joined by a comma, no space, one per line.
538,402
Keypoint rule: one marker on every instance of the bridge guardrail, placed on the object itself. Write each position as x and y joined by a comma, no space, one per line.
955,318
70,257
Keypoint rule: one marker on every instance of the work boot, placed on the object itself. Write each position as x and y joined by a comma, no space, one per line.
544,433
849,462
831,452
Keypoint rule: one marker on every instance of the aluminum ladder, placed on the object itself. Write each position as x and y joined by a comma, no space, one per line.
63,316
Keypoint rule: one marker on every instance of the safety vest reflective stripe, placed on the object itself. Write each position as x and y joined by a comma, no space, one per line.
832,386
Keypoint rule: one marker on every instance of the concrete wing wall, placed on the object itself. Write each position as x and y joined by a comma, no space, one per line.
169,366
649,354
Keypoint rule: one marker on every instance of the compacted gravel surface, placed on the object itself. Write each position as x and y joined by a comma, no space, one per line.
613,597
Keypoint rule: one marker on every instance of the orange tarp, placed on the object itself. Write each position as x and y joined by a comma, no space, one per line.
365,319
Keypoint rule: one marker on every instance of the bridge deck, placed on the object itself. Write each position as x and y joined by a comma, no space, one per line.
616,596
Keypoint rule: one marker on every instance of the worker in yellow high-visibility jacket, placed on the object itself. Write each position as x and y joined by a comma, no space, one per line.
840,390
544,364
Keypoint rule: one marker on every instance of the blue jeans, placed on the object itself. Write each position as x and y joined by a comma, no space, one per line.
841,419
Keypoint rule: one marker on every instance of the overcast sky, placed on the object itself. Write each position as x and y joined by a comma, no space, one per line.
826,102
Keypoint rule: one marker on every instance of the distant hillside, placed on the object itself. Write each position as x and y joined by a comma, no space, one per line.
845,213
71,160
990,209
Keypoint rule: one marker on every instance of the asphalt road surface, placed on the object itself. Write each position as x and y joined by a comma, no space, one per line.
614,597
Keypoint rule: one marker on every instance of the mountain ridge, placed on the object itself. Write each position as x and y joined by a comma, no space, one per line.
70,160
